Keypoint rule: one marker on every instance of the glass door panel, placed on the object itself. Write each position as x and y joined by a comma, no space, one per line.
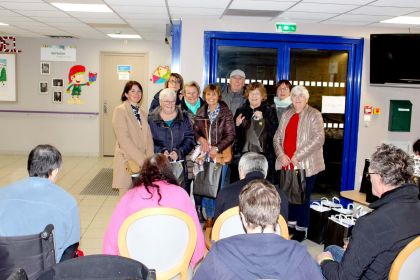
324,73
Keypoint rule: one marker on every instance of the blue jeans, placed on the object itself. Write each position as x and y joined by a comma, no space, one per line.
300,212
337,252
208,203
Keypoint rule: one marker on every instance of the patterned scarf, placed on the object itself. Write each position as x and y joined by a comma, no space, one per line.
213,115
136,113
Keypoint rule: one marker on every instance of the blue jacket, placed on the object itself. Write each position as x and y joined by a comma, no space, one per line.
178,137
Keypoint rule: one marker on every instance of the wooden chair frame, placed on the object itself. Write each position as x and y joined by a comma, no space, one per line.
182,267
402,257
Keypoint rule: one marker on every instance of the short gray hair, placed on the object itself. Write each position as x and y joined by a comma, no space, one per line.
394,165
167,92
251,161
300,90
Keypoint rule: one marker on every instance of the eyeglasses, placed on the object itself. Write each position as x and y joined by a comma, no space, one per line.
284,89
369,173
174,82
167,102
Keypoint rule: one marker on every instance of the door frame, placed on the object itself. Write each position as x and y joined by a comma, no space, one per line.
213,39
101,92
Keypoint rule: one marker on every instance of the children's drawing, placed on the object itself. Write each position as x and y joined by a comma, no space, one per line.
161,74
76,79
3,71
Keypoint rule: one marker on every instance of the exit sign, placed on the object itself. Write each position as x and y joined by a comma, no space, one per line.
285,27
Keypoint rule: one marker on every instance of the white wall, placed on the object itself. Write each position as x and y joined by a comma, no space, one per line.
370,136
71,134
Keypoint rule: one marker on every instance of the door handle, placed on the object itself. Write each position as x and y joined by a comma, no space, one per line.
105,107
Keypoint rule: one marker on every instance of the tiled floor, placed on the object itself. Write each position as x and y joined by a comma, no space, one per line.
95,211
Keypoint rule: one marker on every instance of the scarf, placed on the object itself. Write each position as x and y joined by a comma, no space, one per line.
136,112
282,103
193,108
213,115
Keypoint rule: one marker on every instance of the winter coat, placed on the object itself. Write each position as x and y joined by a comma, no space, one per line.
178,137
134,141
310,139
379,236
222,131
233,100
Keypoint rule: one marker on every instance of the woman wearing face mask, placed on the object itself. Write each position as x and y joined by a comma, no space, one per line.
282,100
176,83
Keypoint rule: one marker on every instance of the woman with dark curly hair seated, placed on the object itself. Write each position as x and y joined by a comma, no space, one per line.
155,187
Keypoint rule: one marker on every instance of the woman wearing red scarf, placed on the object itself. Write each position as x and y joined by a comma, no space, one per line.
298,142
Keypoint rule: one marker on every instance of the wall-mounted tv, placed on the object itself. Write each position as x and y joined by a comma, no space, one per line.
395,58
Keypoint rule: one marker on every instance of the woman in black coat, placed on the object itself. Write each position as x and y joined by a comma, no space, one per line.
256,122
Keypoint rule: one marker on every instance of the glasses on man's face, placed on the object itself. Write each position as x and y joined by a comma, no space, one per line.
167,102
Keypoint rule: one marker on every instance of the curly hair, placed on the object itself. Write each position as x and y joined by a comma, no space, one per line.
155,168
394,165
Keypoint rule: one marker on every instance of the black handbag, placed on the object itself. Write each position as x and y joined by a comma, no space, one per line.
207,181
318,219
338,227
178,170
256,137
293,183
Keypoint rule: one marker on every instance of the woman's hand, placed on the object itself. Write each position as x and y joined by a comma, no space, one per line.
295,162
239,119
284,160
166,153
213,152
173,155
257,115
204,145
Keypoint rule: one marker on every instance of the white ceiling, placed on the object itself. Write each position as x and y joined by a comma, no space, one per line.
148,18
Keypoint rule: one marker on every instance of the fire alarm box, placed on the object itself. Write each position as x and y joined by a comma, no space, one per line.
400,115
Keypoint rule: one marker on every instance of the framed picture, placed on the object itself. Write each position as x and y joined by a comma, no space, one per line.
43,87
7,77
57,96
57,82
45,68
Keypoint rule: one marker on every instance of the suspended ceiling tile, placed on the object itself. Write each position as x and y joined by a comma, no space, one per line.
17,5
389,11
195,11
304,15
407,27
86,15
42,13
156,3
261,5
222,4
351,2
322,8
7,13
144,17
103,20
416,14
139,9
58,20
340,22
359,18
399,3
33,25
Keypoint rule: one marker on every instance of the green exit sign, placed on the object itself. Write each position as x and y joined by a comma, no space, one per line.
285,27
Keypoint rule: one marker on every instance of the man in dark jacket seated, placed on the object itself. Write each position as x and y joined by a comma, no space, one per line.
379,236
260,253
251,166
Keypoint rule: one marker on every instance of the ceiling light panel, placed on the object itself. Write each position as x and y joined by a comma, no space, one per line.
403,20
388,11
261,5
124,36
221,4
18,5
322,8
92,8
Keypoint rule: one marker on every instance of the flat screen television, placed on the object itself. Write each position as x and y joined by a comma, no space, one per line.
395,59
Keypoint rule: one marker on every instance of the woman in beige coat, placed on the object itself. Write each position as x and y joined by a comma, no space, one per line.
298,142
134,138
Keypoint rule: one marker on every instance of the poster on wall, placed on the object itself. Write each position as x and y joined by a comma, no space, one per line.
124,72
7,77
161,74
76,82
58,53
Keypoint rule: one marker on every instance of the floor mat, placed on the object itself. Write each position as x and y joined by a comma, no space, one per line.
101,184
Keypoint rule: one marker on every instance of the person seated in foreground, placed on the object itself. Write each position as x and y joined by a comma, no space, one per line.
379,236
260,253
251,166
155,187
28,205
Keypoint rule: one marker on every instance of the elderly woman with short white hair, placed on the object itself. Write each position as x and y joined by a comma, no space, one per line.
172,130
298,142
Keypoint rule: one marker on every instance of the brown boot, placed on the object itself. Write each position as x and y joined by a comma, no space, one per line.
209,223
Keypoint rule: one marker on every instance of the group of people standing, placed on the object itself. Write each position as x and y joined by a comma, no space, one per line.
288,133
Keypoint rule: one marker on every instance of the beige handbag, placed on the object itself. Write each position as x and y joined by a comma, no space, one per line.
132,167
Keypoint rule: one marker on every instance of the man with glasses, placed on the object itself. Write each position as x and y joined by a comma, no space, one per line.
378,237
233,94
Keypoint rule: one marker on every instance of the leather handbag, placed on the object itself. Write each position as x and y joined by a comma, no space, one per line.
207,181
223,157
293,183
178,170
132,167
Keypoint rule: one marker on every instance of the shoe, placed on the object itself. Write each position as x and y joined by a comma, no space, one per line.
209,223
200,214
299,235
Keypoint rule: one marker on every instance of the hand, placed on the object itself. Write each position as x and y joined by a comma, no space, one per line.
213,152
295,162
204,145
324,256
257,115
284,160
239,119
173,155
